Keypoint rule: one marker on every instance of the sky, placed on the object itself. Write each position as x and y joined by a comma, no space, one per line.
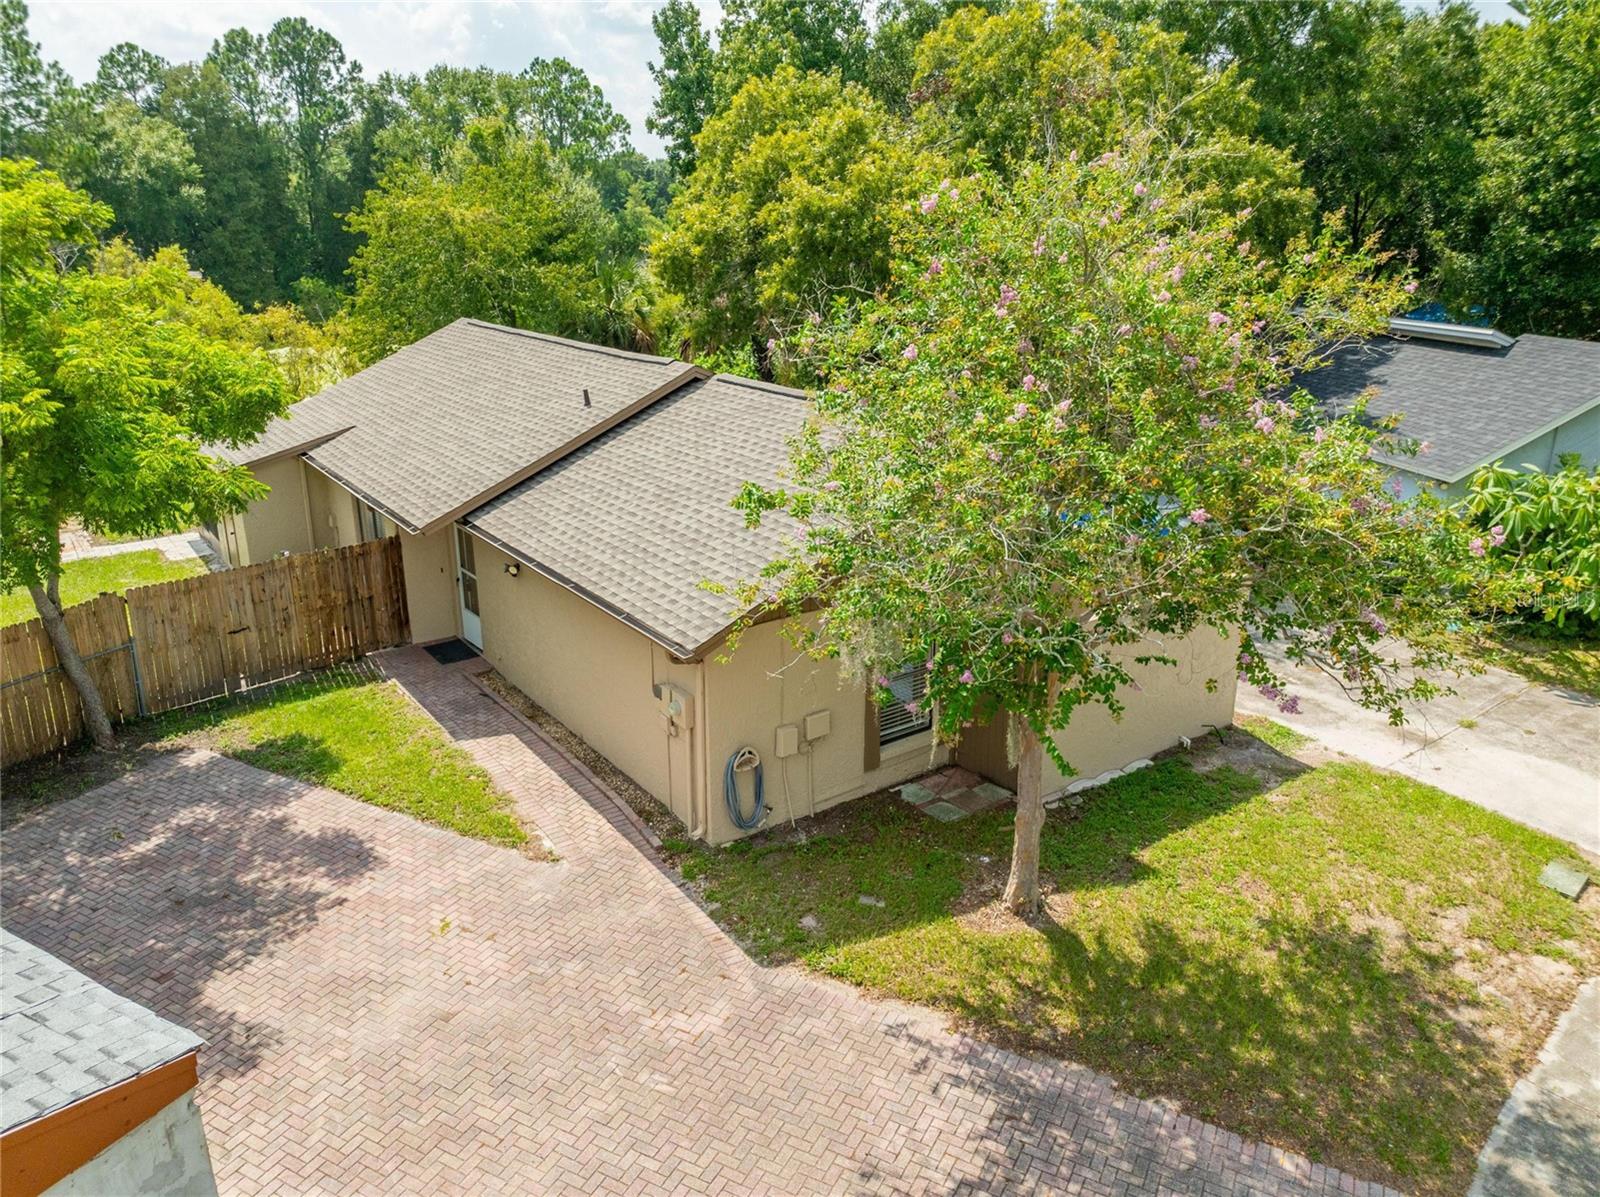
610,39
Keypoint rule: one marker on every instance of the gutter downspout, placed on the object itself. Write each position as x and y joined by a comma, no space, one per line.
699,786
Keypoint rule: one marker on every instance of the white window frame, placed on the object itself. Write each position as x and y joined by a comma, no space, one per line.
909,683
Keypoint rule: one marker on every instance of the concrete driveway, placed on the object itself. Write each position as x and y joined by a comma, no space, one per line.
1530,752
1547,1141
391,1008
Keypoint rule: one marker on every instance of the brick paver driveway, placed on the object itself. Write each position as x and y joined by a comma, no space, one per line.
393,1008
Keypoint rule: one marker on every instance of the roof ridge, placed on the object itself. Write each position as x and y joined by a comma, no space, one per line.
571,343
760,385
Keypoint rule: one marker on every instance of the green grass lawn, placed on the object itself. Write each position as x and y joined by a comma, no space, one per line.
1570,662
362,737
1274,734
1340,961
88,576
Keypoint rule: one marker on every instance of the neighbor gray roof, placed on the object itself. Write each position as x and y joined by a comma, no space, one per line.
441,425
1473,405
639,517
64,1037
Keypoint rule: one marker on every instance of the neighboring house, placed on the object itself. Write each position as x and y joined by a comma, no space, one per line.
1474,395
97,1093
558,505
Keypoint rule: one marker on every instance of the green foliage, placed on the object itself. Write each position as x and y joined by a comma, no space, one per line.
833,38
504,232
244,236
1530,251
757,37
29,87
313,89
683,80
789,206
1066,436
1023,85
113,382
1544,529
131,75
145,168
1378,101
571,113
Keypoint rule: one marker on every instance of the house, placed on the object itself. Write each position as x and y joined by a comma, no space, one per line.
1475,396
97,1093
559,506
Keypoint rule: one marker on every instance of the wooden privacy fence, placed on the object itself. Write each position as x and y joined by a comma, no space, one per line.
181,642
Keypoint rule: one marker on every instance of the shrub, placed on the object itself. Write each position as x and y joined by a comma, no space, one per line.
1545,529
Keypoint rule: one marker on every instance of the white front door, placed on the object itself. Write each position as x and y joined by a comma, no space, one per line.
467,588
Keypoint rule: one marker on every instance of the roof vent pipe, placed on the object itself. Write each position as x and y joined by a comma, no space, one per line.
586,402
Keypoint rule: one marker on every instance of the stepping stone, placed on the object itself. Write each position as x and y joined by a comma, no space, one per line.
944,812
971,801
1564,879
993,793
915,794
869,900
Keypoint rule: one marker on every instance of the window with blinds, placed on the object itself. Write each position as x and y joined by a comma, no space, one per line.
908,686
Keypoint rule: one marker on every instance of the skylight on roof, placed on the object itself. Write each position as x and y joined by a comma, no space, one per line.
1456,334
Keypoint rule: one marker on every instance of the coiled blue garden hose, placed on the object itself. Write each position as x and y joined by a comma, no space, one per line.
744,759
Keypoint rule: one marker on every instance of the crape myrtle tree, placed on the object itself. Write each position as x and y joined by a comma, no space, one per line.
1065,436
111,384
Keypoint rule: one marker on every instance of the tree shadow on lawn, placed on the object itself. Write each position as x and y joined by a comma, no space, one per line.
1269,1009
171,878
1398,1099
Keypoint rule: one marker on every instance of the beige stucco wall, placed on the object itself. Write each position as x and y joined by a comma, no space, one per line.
430,585
592,672
333,511
278,523
596,674
767,683
1171,702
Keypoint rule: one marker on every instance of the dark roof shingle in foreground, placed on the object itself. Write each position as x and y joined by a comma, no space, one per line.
1472,404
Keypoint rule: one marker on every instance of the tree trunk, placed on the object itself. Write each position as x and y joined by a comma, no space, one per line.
763,356
47,601
1022,889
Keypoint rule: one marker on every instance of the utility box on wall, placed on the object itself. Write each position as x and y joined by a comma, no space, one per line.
675,705
786,741
818,724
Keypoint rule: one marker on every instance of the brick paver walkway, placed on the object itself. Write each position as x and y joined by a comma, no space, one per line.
393,1008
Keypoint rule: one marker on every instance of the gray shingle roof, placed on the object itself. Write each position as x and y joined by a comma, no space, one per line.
63,1037
1473,405
636,519
463,413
